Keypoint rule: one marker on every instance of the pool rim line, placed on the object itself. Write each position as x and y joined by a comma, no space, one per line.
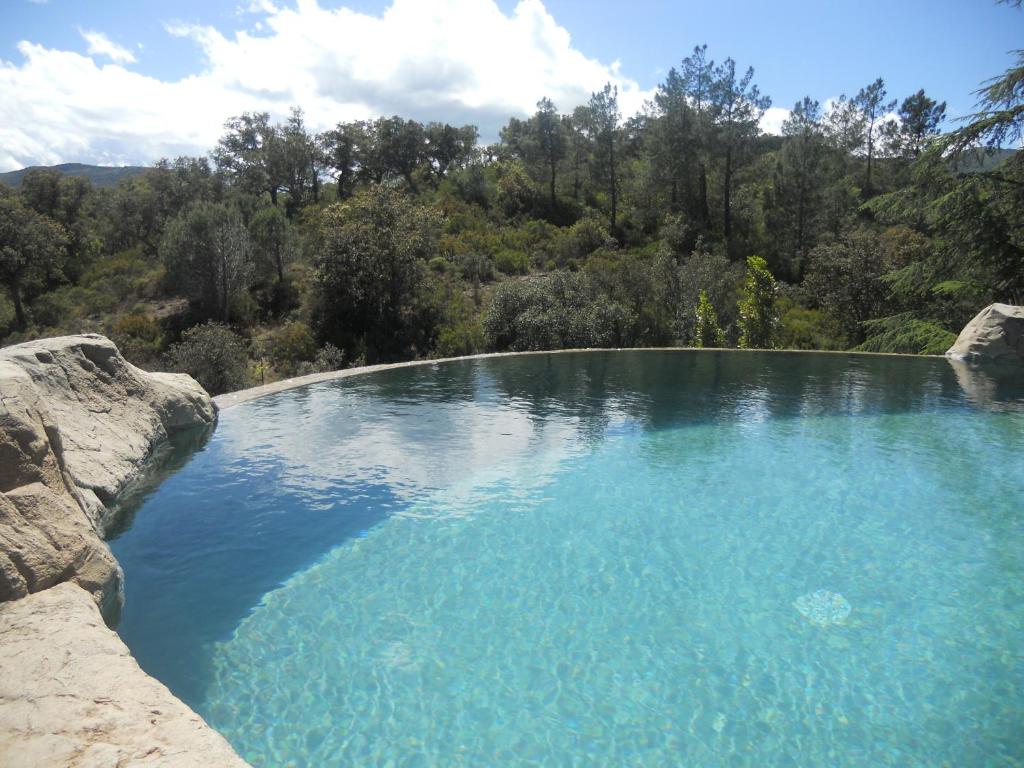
231,399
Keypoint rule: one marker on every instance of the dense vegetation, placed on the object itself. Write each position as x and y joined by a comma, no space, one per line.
286,251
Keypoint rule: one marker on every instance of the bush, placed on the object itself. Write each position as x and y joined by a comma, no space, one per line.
559,311
287,347
804,328
758,318
138,337
213,355
328,358
512,262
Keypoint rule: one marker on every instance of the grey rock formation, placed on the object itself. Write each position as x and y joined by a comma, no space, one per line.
77,422
995,335
72,695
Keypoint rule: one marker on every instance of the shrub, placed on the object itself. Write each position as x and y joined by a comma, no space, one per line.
709,332
213,355
328,358
758,319
512,262
138,337
287,347
804,328
561,310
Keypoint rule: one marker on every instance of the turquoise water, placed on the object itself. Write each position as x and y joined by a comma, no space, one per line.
600,559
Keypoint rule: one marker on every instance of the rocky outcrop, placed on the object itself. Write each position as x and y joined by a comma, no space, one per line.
995,335
72,695
77,422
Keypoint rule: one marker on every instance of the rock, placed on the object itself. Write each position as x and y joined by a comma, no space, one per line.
72,695
77,423
995,335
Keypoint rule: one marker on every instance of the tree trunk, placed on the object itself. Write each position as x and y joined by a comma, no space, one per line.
553,171
871,146
19,310
273,196
727,197
704,211
615,193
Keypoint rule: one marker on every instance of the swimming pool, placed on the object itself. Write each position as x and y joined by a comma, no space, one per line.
615,558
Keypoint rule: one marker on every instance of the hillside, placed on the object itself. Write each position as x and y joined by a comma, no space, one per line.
99,175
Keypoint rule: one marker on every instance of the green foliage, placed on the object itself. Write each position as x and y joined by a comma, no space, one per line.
559,311
512,262
758,319
213,355
138,337
886,239
906,334
846,277
708,333
328,358
208,256
32,249
369,265
801,327
288,347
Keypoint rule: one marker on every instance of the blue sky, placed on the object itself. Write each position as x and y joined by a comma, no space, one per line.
117,81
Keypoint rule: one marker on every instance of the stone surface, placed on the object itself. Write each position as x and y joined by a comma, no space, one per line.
77,422
72,695
995,335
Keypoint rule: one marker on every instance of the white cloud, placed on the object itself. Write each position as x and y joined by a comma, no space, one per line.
772,120
462,61
101,45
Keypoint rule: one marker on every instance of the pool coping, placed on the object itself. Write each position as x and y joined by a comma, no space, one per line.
231,399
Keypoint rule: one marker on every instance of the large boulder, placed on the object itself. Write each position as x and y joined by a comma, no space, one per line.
77,423
995,335
72,695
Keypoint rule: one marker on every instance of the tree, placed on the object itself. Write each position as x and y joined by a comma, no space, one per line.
549,138
32,248
247,154
846,278
602,124
758,319
797,184
674,141
873,108
274,242
297,159
738,106
342,148
999,120
919,121
448,147
208,256
370,256
213,355
709,332
698,76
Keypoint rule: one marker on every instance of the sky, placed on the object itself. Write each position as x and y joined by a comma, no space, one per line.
117,82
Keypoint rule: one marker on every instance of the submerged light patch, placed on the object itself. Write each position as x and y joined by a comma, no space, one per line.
823,607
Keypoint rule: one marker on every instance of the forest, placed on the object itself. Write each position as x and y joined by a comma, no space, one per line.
284,251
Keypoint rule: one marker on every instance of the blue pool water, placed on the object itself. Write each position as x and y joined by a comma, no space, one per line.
650,558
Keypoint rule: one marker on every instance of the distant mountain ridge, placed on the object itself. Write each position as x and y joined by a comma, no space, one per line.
99,175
